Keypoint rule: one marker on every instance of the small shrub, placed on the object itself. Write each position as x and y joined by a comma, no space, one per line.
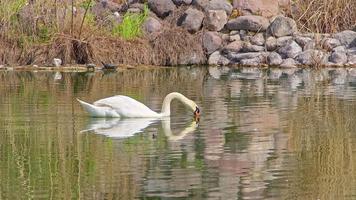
131,26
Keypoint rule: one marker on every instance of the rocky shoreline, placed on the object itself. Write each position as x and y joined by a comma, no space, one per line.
214,32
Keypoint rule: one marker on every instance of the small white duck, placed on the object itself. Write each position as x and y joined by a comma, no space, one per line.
127,107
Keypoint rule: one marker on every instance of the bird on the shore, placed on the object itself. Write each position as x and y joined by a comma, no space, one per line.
108,66
124,106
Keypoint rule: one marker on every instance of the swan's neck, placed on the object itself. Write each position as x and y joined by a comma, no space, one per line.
166,107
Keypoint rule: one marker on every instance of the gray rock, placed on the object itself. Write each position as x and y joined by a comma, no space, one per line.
219,5
215,20
237,57
346,38
235,37
162,8
152,25
217,59
282,26
291,50
289,63
191,20
258,39
225,37
250,23
311,57
351,51
57,62
330,43
252,61
182,2
248,47
303,41
234,47
202,4
274,59
211,42
271,44
282,41
338,57
351,60
133,10
339,49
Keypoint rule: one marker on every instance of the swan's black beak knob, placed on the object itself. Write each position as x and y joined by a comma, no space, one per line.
197,112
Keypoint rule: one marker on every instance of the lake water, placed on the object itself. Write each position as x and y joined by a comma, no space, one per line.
263,134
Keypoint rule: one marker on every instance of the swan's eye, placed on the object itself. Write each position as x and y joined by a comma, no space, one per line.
197,111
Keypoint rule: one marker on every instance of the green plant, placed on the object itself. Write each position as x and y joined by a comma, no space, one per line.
131,26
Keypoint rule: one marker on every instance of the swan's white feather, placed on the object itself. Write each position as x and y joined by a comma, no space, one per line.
126,106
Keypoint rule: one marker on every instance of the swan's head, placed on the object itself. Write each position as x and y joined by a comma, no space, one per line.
195,108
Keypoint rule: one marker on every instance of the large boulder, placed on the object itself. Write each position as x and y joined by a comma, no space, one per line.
217,59
215,20
265,8
347,38
291,50
282,26
152,25
274,59
310,57
161,8
338,57
182,2
237,57
191,20
211,42
219,5
250,23
235,47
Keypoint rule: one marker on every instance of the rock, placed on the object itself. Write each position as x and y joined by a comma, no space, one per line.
237,57
311,57
346,38
219,5
291,50
271,44
235,47
217,59
289,63
248,47
282,41
101,9
215,20
57,62
303,41
252,61
330,43
191,20
162,8
265,8
202,4
282,26
351,51
352,60
309,45
250,23
211,42
274,59
339,49
152,25
182,2
235,37
133,10
258,39
338,57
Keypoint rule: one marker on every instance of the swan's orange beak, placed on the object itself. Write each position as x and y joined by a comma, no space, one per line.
197,112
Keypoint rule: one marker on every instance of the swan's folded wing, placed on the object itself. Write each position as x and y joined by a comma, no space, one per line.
126,106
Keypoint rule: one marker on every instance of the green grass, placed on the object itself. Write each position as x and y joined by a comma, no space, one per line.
131,26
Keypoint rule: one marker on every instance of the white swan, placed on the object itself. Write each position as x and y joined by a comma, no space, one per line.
123,106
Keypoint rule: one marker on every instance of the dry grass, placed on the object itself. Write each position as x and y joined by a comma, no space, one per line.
323,16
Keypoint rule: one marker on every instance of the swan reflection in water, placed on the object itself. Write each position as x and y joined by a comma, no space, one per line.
124,128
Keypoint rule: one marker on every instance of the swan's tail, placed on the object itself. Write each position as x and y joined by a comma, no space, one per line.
94,111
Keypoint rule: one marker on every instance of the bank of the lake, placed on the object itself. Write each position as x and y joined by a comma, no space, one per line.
171,33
